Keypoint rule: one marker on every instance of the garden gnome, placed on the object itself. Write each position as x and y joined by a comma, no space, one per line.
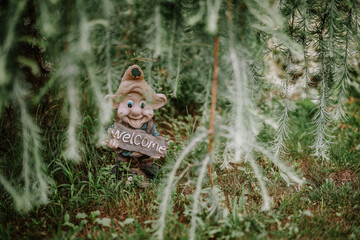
135,134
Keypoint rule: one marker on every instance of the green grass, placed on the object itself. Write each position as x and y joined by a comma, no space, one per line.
87,202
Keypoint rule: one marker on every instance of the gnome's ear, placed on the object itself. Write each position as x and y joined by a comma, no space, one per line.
110,97
159,101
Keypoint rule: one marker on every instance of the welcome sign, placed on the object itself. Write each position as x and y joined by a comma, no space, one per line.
137,140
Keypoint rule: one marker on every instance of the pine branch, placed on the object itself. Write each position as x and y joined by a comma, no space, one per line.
282,134
264,193
8,41
72,149
304,41
323,115
196,195
166,196
36,186
108,65
332,30
158,32
344,72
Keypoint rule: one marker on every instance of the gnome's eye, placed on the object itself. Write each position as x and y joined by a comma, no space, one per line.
130,104
142,104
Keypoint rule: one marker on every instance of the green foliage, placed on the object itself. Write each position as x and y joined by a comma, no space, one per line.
297,60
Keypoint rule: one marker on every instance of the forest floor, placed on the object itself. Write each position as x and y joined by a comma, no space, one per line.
87,202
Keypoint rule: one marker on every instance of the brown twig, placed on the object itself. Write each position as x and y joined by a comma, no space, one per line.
186,170
292,21
227,201
213,103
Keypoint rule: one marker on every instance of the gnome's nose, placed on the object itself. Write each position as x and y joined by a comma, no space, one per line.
136,111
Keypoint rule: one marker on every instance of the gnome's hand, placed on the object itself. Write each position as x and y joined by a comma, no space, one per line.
113,143
136,154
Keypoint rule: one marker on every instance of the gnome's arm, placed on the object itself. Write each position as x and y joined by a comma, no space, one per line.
112,143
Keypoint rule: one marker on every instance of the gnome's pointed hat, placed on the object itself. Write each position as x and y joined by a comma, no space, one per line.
133,81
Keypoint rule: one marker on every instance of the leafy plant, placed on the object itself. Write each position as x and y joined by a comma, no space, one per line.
58,59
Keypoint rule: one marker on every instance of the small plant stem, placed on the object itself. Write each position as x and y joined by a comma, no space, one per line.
213,103
292,26
227,202
185,171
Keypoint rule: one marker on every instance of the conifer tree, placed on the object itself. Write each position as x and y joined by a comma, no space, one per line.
67,55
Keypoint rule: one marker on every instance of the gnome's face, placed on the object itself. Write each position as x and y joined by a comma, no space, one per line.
134,110
134,100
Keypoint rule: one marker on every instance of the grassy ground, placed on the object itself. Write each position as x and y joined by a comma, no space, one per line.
87,201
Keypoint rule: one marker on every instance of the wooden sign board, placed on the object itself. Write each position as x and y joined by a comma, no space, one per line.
137,140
